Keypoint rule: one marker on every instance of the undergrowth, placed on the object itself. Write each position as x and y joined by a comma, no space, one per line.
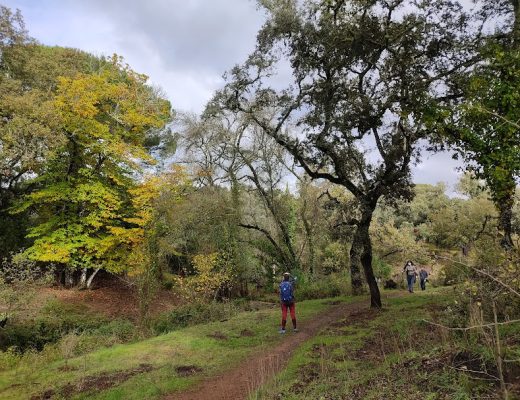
394,354
76,368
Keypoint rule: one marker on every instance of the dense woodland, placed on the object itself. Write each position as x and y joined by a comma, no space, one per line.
301,162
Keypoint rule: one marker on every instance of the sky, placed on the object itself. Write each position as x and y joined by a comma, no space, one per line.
184,46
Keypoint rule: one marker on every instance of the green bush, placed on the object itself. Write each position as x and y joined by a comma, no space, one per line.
195,313
57,320
11,358
335,258
453,273
382,269
121,329
168,280
29,335
8,359
115,332
318,287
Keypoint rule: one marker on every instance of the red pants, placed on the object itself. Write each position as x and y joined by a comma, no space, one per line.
292,310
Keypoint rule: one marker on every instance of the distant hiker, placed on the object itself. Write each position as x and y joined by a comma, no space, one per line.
287,301
411,273
423,277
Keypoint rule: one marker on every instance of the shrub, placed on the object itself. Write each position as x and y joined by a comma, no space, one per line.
57,320
214,273
195,313
335,258
121,329
317,287
382,270
30,335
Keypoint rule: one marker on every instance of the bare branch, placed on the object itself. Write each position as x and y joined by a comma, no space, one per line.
266,234
504,285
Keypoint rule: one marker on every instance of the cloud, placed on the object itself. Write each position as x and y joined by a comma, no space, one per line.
184,46
438,167
198,36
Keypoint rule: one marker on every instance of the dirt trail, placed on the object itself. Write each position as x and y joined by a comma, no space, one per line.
237,383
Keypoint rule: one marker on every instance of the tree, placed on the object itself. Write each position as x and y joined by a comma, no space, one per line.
314,230
365,78
469,186
29,131
29,135
484,129
266,171
12,29
228,151
82,198
487,136
146,256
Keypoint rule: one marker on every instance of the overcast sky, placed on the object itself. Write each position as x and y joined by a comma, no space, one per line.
184,46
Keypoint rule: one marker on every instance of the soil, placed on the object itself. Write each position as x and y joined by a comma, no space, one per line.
112,298
188,370
93,383
240,381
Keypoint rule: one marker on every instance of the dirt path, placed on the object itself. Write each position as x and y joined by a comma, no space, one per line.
240,381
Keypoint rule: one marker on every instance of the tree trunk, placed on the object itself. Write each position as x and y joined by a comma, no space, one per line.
238,256
83,278
366,261
505,209
361,254
310,242
91,279
69,278
355,263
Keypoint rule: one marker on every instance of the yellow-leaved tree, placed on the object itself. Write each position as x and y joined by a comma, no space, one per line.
213,273
83,199
145,257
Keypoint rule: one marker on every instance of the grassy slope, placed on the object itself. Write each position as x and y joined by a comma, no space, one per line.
189,346
391,354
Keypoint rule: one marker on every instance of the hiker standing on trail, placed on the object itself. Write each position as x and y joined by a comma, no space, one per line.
423,276
411,274
287,301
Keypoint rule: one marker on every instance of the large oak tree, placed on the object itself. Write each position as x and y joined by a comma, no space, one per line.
362,78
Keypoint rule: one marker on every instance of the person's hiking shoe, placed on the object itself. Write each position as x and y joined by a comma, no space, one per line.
281,331
295,330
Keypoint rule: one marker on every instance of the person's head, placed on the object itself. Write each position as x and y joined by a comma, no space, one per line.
286,276
409,262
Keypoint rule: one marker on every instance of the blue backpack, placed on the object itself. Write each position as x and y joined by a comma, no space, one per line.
286,292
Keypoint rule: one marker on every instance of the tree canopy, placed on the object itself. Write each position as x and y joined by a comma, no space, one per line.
365,79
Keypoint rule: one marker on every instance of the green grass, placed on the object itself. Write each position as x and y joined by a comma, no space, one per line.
194,345
390,354
393,354
53,320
